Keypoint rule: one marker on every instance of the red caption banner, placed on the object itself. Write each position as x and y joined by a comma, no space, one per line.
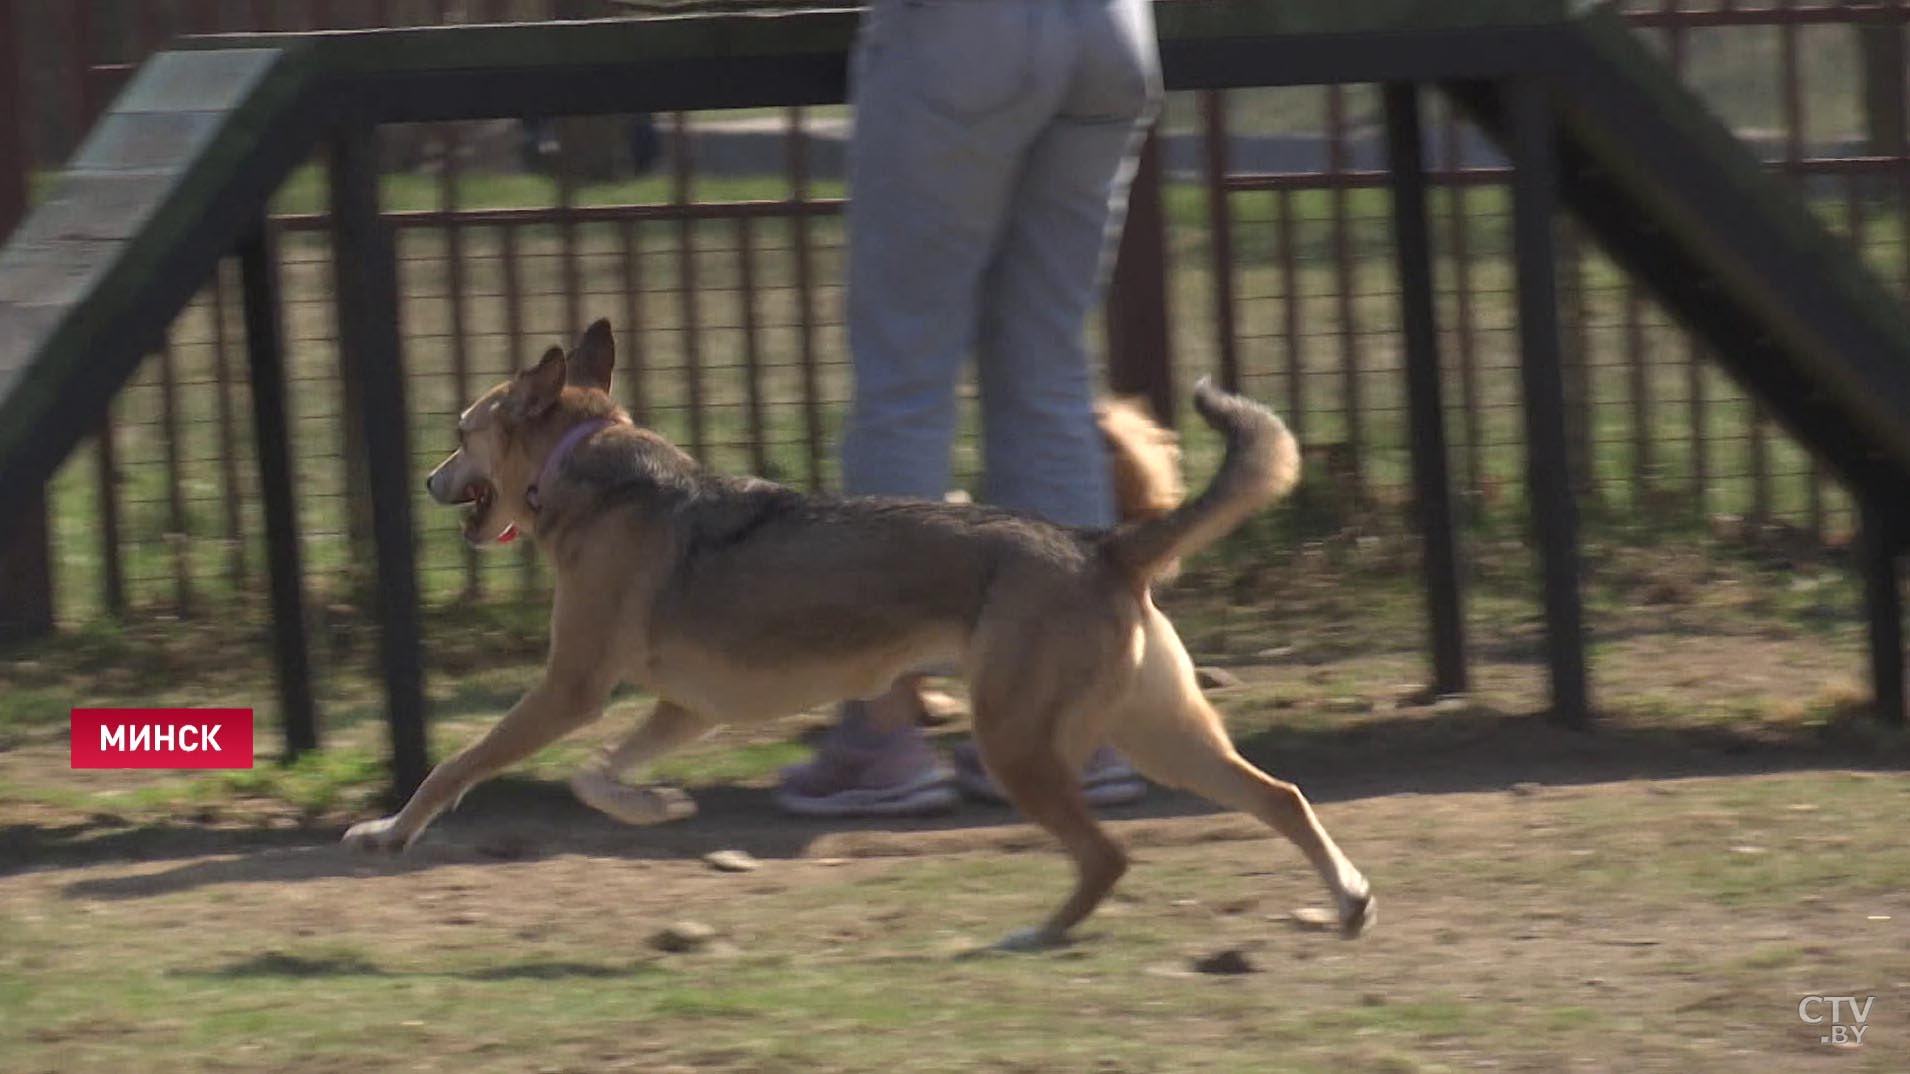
162,738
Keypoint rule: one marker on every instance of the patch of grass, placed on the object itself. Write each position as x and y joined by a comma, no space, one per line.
747,763
1773,958
35,707
317,783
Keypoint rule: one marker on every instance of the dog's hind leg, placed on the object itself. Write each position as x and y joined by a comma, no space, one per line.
1048,792
598,784
1022,745
1176,738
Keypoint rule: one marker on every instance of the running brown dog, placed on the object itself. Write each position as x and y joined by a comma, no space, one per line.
737,600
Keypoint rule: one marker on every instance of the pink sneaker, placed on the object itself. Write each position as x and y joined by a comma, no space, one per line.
894,775
1106,780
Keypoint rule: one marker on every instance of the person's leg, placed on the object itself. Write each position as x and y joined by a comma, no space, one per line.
1044,451
941,121
946,97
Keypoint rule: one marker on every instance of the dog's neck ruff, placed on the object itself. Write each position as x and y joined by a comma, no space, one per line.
577,435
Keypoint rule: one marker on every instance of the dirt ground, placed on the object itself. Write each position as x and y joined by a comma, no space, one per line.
1529,929
1658,894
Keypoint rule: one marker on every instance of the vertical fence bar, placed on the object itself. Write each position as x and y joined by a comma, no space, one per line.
106,497
450,199
228,435
1758,434
752,353
569,271
1220,237
86,90
1459,224
208,16
1343,279
1900,150
26,567
1290,314
1554,512
79,88
1792,93
514,357
1698,402
1432,487
1698,408
1818,477
1638,387
369,334
265,351
1140,345
633,313
151,29
356,478
154,29
1576,352
797,163
178,536
682,171
1879,543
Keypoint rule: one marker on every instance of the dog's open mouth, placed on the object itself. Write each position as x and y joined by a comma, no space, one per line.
479,497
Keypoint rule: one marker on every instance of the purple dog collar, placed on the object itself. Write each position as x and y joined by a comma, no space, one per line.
577,435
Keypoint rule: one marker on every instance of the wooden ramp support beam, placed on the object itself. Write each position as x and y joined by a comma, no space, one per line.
1432,484
265,349
1535,156
1880,542
26,563
369,340
1140,342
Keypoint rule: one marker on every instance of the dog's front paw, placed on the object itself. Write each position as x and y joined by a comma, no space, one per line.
376,837
1357,913
632,805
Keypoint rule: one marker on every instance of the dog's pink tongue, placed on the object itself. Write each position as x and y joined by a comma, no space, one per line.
509,534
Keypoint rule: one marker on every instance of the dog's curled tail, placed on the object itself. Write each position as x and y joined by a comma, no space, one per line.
1262,464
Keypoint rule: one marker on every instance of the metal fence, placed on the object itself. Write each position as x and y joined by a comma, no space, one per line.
714,242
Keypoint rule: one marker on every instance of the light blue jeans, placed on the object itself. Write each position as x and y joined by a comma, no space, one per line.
994,144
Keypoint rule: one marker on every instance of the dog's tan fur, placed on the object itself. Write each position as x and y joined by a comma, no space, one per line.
738,601
1143,457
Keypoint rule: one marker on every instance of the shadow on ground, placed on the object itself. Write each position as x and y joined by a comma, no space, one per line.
277,965
516,818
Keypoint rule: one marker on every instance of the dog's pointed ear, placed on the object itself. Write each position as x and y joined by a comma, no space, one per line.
538,387
590,364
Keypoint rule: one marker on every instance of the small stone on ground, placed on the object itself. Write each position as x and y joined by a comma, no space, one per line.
683,936
1216,678
732,861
